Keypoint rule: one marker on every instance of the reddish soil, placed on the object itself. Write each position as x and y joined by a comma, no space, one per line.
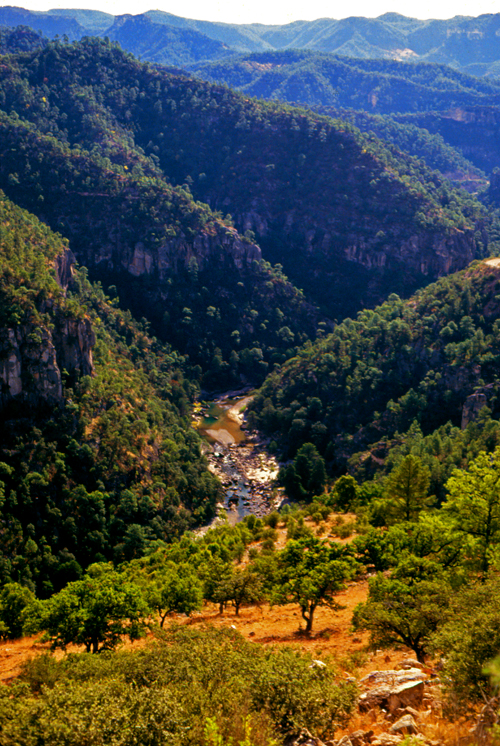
332,637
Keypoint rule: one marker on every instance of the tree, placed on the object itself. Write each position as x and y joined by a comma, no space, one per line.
468,641
14,599
95,611
307,475
473,506
241,587
345,492
406,607
174,589
310,573
407,487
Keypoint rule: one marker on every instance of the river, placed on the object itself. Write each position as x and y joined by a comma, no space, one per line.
238,457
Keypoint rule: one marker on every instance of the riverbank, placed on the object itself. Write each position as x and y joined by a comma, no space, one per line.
239,458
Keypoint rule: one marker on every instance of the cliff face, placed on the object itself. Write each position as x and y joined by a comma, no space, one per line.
223,244
32,358
34,354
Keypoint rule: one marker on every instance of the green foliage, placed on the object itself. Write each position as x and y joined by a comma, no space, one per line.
406,607
473,507
310,573
306,476
468,642
95,611
241,587
173,588
14,599
189,686
407,489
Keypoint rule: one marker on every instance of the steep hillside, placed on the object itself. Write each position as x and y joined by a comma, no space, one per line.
467,106
150,232
97,457
472,131
165,44
432,359
343,210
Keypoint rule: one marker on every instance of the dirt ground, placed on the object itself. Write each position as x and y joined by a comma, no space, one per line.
332,638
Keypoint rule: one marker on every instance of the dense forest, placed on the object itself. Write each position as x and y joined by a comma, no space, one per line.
389,217
165,238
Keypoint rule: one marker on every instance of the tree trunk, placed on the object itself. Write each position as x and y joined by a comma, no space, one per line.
308,618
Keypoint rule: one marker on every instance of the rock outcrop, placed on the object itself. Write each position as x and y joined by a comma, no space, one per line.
34,355
32,358
392,690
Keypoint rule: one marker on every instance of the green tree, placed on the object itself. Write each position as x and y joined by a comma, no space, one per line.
468,641
95,611
473,506
310,573
345,492
406,607
174,589
306,476
407,488
240,588
14,598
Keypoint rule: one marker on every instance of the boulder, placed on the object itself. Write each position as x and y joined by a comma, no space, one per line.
361,737
303,738
410,663
393,689
386,739
409,694
405,725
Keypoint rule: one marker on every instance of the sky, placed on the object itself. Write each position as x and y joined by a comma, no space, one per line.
264,11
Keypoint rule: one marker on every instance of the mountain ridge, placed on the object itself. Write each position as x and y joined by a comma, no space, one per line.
463,42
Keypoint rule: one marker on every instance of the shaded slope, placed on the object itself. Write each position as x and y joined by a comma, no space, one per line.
346,217
133,229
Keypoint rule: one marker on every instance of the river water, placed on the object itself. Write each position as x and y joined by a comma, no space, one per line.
238,457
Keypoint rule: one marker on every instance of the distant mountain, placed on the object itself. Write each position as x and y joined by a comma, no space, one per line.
48,24
465,43
379,86
467,121
165,44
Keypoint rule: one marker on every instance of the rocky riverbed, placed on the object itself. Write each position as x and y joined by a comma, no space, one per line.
239,457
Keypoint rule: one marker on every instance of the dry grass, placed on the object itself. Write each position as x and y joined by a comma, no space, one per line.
332,638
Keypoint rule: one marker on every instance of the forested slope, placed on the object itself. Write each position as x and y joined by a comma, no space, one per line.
431,359
110,130
97,454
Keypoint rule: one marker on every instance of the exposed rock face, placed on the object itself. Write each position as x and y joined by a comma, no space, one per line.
429,255
223,244
64,268
32,356
393,689
471,408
